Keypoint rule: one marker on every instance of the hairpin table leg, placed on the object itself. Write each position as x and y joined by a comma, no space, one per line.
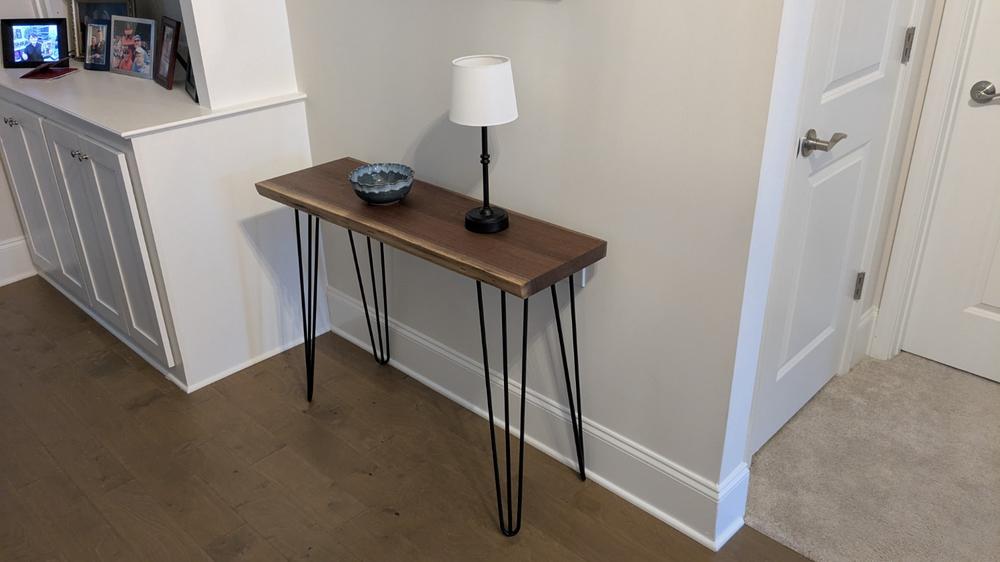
511,526
307,293
381,352
575,411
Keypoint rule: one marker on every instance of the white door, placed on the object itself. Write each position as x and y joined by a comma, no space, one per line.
51,242
851,86
955,312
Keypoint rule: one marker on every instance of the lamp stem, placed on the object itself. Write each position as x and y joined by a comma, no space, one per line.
485,159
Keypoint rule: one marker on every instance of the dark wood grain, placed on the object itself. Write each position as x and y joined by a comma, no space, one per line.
102,459
526,258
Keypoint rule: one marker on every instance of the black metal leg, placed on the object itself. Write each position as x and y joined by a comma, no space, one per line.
308,280
380,352
511,526
575,410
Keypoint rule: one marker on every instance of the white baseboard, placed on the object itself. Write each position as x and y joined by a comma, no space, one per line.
15,261
863,334
706,511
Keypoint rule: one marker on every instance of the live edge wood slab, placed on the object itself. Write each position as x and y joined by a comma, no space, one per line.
430,223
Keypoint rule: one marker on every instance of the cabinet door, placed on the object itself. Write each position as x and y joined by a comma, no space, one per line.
106,293
49,233
98,188
110,187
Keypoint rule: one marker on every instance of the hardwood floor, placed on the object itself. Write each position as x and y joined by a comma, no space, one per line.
102,458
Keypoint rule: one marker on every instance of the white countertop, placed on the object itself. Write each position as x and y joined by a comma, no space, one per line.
123,105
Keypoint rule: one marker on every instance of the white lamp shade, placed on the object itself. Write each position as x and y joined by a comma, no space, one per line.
482,91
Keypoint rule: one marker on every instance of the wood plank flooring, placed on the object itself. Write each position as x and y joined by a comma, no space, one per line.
101,458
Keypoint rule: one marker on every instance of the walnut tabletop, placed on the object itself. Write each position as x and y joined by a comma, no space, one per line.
430,223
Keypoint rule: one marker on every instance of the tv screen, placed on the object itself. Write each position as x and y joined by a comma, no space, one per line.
35,43
28,43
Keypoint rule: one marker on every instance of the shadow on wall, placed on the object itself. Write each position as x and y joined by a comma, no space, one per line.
271,235
453,150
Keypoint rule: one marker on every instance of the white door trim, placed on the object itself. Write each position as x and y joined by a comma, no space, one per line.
929,154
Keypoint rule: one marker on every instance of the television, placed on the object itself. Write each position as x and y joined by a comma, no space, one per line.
28,43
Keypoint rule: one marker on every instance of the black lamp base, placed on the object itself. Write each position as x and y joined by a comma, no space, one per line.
485,220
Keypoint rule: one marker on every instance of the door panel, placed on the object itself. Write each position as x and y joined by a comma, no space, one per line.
954,316
112,188
107,294
861,43
830,222
991,295
24,186
51,233
851,85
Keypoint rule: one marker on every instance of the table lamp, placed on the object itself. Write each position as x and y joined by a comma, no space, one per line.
482,95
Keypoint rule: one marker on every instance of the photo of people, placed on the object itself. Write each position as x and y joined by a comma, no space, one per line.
35,43
97,44
132,46
91,11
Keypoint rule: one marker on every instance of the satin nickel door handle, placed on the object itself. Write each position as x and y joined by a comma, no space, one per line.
983,92
811,142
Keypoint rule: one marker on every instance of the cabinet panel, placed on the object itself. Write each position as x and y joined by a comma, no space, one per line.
52,244
106,291
108,176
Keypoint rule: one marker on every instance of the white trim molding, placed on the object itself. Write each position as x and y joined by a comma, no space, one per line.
15,261
708,512
930,152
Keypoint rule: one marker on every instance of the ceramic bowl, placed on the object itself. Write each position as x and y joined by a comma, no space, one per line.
382,184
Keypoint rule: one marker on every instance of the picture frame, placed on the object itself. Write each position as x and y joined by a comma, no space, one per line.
81,12
189,84
166,52
31,42
133,43
97,53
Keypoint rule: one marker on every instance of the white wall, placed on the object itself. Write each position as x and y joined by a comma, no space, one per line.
642,122
241,51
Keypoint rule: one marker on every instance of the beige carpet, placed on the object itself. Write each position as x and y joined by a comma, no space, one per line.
898,460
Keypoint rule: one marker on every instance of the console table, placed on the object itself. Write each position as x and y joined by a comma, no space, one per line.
529,257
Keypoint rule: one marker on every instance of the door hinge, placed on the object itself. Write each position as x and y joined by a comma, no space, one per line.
911,32
859,285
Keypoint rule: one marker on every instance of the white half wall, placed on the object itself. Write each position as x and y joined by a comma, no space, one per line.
226,254
621,135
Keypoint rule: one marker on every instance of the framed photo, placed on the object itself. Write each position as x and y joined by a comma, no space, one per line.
132,46
166,52
28,43
189,85
82,12
97,53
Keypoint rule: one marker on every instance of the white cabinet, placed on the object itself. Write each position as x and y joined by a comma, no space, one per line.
49,230
94,179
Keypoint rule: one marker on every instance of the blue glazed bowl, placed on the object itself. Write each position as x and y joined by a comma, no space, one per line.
382,184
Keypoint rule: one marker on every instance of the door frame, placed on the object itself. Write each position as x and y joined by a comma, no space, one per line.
945,87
